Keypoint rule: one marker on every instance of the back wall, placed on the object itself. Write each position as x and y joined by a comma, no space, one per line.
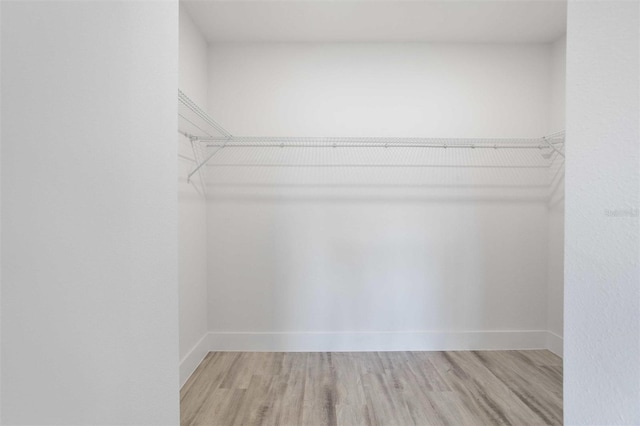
340,258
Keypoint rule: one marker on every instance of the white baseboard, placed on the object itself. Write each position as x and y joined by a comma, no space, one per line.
191,360
555,343
376,341
365,342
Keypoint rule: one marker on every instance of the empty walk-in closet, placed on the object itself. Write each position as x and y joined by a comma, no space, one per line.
304,213
362,180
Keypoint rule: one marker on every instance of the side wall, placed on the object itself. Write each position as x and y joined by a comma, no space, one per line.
602,247
555,299
192,207
558,85
89,215
300,261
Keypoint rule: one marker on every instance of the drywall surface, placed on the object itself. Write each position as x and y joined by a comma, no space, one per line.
419,255
602,246
0,231
558,85
89,214
194,60
555,291
325,265
192,206
421,89
555,285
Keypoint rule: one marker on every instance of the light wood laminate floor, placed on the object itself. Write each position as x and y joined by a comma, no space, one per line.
375,388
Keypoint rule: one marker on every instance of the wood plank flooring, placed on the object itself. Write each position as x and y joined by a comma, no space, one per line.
375,388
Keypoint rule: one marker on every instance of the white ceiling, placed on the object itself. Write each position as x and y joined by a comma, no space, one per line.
475,21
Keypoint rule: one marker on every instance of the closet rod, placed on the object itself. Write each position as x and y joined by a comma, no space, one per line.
378,145
373,142
543,143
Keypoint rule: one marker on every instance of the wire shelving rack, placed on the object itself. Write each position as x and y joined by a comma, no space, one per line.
537,160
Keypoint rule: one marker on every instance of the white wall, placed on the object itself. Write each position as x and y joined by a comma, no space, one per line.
602,247
421,89
558,85
89,215
376,266
1,275
194,60
383,258
192,206
555,285
555,292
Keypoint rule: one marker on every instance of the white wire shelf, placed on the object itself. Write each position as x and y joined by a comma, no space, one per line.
195,122
260,161
372,142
